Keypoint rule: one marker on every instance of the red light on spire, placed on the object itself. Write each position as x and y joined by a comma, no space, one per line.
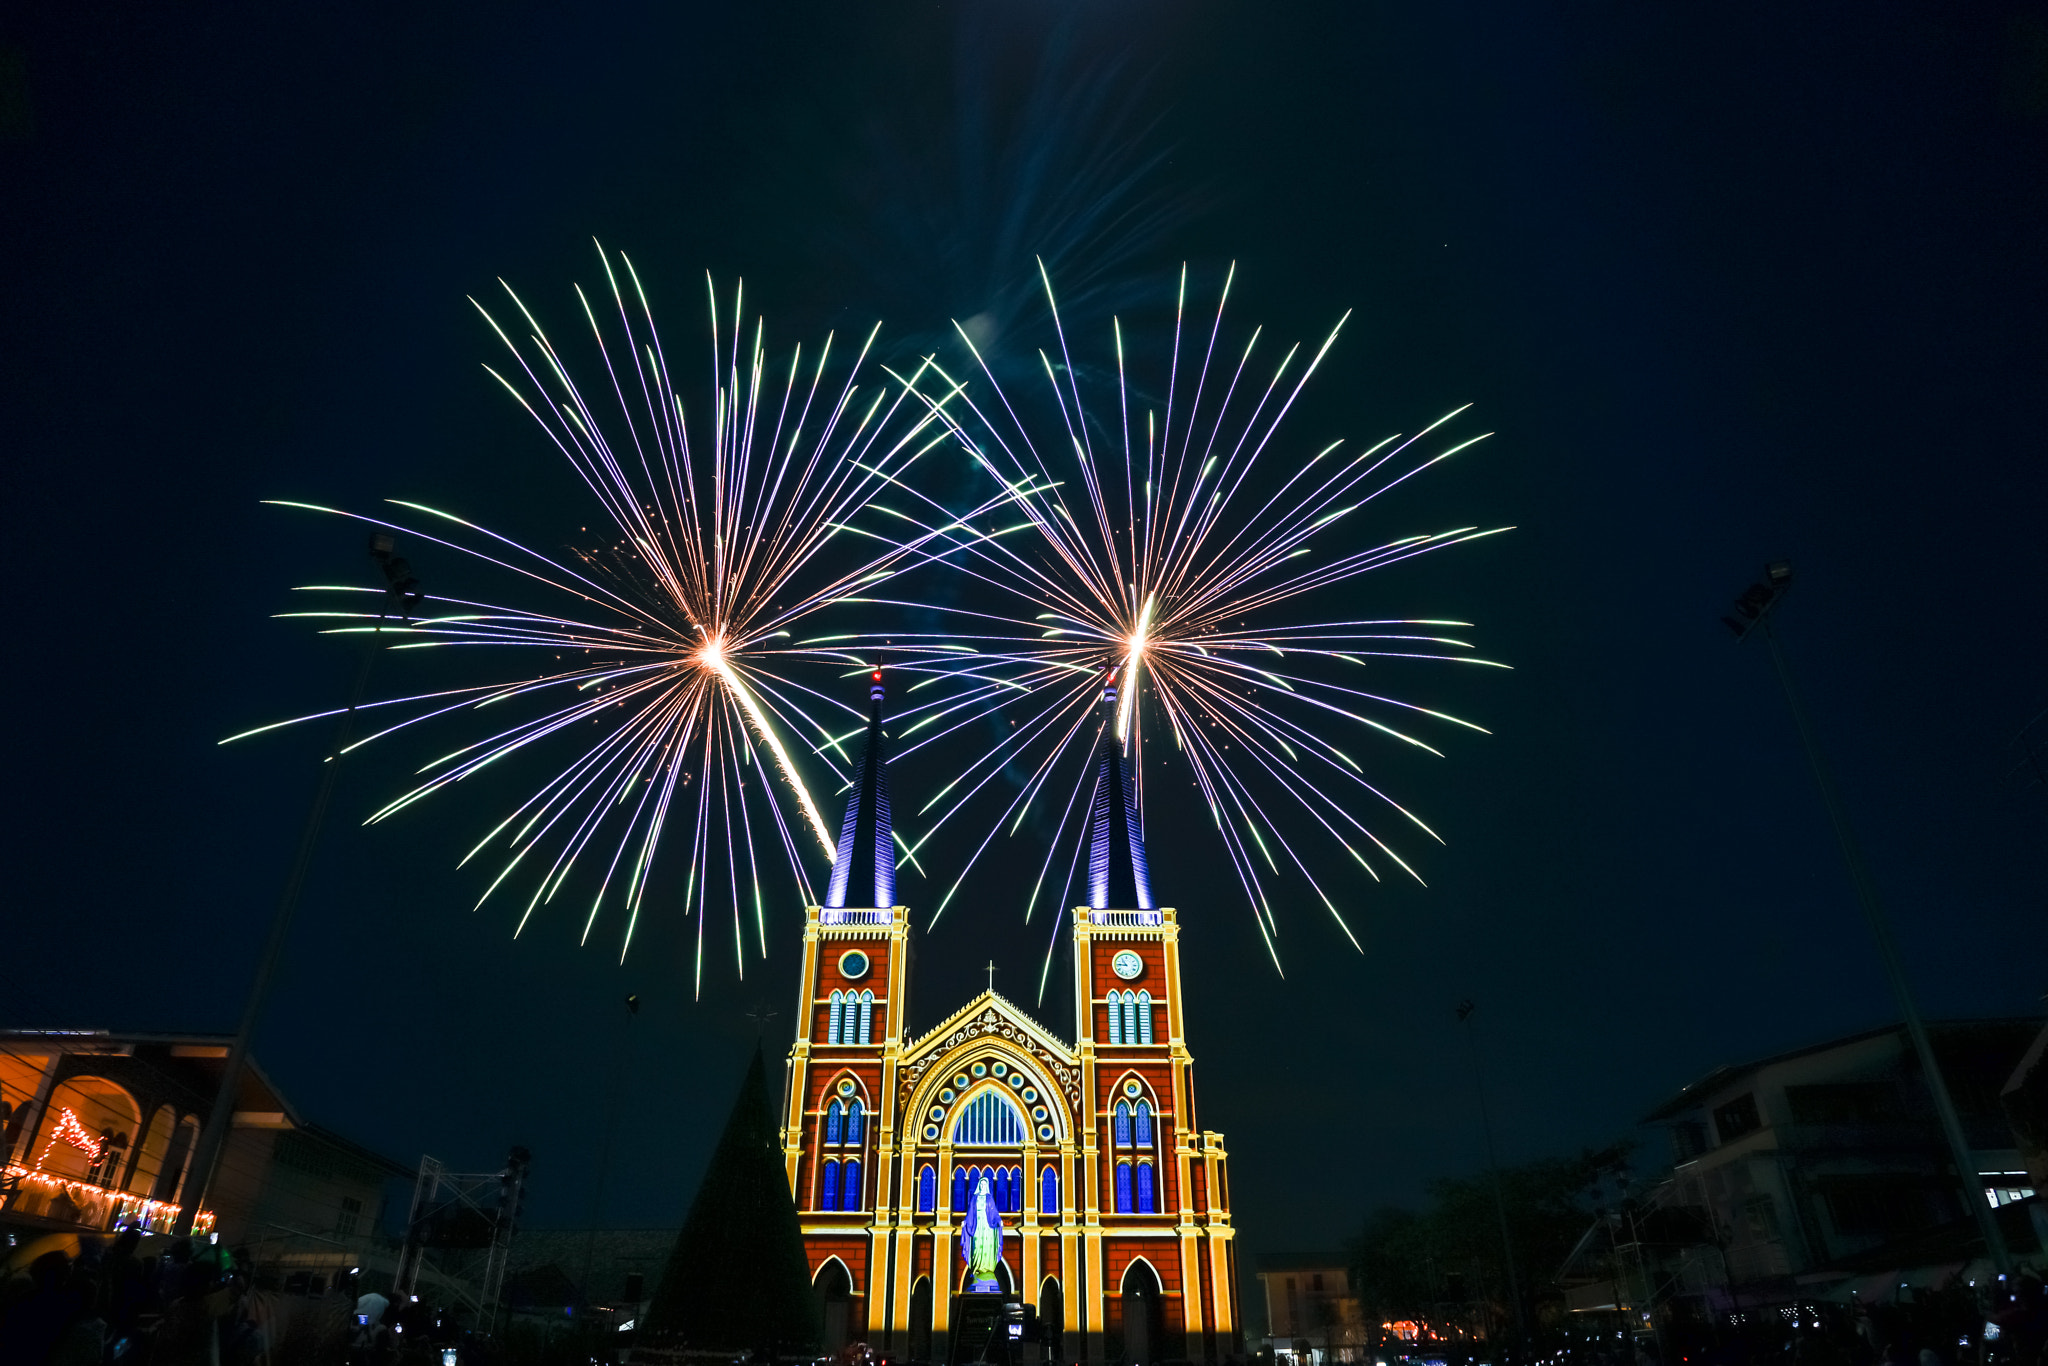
876,675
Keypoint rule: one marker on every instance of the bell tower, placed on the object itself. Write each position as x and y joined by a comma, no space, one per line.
838,1132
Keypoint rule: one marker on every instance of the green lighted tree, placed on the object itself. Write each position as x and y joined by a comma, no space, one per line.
737,1279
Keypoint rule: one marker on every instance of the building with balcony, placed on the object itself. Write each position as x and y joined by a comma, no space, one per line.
98,1131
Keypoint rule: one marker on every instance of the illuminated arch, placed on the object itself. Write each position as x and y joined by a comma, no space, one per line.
939,1077
988,1116
859,1091
81,1110
823,1286
1151,1286
170,1182
156,1144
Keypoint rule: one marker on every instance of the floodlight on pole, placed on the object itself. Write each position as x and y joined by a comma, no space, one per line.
401,591
1500,1204
1753,610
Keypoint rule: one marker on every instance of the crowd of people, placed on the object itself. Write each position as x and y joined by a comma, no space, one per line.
193,1304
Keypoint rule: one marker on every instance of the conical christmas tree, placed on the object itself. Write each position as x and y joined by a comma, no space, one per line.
738,1279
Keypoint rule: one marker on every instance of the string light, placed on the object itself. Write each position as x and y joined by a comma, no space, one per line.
70,1130
125,1202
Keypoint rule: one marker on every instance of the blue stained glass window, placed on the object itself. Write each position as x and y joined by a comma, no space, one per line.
959,1191
1144,1122
853,1191
1049,1191
990,1120
1123,1125
1001,1187
927,1190
829,1184
853,1122
1016,1190
1123,1188
832,1115
1145,1205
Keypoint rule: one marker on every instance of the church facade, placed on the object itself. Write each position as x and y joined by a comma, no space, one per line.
1114,1200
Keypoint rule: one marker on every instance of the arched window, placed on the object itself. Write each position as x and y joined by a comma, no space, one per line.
867,1014
853,1192
927,1189
1123,1188
853,1125
832,1118
1144,1017
1123,1125
1049,1191
1145,1200
1144,1122
1016,1190
838,1025
828,1187
1116,1019
959,1191
990,1120
1130,1017
1001,1186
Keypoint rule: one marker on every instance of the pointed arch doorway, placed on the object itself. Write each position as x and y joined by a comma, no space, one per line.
835,1302
1141,1321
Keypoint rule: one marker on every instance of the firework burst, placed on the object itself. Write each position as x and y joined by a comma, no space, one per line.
671,692
1179,547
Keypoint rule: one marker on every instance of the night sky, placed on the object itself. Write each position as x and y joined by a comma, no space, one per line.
1730,282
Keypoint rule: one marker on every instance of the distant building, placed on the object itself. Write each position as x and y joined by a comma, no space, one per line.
98,1132
1812,1170
1312,1318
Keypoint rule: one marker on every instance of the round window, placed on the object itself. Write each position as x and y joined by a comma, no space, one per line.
1045,1133
854,964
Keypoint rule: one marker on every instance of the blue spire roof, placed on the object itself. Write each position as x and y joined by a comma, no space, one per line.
864,869
1118,878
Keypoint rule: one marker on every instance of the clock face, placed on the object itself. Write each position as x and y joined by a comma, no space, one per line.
1127,965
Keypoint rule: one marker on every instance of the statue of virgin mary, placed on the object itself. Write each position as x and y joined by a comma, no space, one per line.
981,1238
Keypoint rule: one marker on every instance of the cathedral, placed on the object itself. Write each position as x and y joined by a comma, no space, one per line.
1114,1203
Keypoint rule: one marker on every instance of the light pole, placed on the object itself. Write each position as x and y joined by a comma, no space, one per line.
1753,614
1500,1204
401,590
620,1066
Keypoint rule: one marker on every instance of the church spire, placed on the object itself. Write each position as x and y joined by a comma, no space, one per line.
864,869
1118,878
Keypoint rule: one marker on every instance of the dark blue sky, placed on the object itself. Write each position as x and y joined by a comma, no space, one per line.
1730,283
